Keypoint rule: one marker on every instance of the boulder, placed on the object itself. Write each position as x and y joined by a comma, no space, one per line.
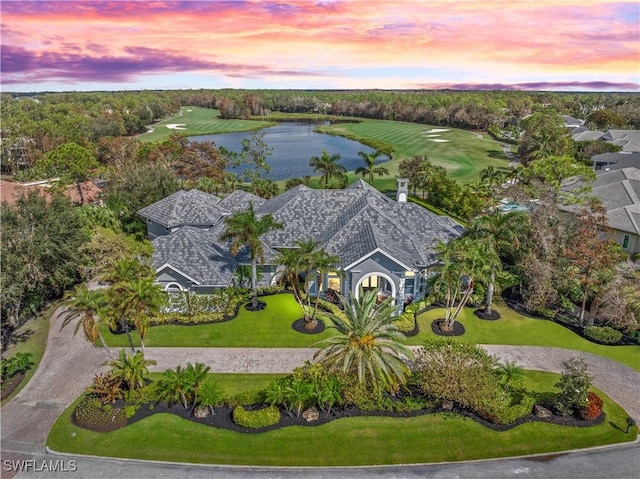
447,405
541,412
201,412
311,414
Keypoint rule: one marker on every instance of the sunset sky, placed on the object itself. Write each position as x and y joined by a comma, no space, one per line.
326,44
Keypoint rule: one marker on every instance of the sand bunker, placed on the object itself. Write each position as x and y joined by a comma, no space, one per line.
176,126
437,130
438,140
432,136
189,110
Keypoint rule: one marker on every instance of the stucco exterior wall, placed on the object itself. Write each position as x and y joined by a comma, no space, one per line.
634,241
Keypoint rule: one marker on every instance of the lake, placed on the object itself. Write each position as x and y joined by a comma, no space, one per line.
293,145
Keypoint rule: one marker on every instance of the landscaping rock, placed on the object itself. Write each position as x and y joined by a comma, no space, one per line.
447,405
201,412
541,412
311,414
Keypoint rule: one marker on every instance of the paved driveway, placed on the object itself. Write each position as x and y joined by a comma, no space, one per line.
69,364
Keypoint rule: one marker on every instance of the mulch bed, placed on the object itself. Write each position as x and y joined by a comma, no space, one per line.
457,330
261,306
494,316
10,385
514,300
223,417
300,326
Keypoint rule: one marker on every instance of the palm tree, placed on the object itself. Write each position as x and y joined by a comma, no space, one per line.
503,234
126,269
131,368
509,374
368,344
137,300
173,385
306,259
462,262
370,167
327,165
86,305
210,395
244,228
492,177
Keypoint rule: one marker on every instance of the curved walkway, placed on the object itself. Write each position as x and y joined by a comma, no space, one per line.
69,364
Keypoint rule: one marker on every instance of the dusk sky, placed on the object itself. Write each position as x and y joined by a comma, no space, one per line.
354,44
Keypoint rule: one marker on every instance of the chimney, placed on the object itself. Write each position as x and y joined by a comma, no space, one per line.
403,190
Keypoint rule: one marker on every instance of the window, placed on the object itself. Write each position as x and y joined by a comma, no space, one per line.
333,281
625,242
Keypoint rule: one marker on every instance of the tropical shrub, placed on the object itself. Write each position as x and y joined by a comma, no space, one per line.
574,384
245,398
93,415
106,387
182,385
222,303
406,322
267,290
210,395
15,365
449,370
593,408
130,369
603,334
506,414
256,418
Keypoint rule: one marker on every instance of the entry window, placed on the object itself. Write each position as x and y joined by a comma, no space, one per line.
333,281
625,242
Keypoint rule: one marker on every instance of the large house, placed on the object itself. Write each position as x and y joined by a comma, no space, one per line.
382,243
619,193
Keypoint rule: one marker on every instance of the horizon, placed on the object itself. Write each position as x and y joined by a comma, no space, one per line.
70,46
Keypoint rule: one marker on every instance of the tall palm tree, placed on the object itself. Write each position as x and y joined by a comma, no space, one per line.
86,305
370,167
368,344
503,234
244,228
462,263
306,260
327,165
137,300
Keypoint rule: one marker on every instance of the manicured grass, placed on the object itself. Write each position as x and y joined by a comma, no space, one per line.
268,328
351,441
199,121
515,329
464,153
31,337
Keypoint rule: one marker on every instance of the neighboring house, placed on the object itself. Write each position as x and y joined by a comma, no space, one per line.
619,192
616,161
382,244
627,140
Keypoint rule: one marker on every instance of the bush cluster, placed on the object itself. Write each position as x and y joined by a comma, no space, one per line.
405,322
219,303
257,418
15,365
245,398
513,412
603,334
267,290
93,415
181,318
593,408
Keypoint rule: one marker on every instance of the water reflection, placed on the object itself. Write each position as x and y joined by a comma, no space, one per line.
293,144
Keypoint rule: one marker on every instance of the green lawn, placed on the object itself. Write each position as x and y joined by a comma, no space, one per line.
515,329
199,121
31,337
351,441
268,328
463,154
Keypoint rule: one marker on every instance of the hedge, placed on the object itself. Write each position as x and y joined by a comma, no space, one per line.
603,334
258,418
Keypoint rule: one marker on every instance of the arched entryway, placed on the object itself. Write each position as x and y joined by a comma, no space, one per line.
377,281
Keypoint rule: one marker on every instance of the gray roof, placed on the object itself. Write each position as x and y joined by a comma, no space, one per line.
194,252
192,207
617,161
239,200
628,140
586,135
619,192
351,223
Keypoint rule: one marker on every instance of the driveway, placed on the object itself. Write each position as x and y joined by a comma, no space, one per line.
69,364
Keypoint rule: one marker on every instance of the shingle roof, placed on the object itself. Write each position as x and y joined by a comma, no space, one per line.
350,223
191,207
195,253
619,192
239,200
618,160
